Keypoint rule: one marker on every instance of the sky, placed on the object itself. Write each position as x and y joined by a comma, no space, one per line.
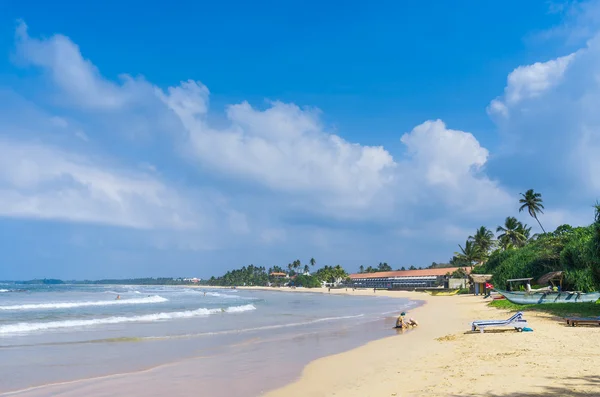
187,139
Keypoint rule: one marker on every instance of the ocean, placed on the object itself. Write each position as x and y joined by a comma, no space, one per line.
75,335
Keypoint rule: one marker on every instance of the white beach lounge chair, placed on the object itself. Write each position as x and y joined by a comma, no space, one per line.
517,322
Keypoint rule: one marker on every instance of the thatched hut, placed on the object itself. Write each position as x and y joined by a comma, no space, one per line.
479,281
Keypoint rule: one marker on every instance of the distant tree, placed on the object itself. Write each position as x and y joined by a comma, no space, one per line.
312,262
402,268
383,267
532,201
511,234
469,253
361,269
306,269
412,268
483,241
459,273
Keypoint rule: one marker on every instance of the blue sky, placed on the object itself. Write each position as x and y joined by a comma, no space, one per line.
141,140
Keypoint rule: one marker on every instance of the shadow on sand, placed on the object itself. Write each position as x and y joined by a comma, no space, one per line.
587,382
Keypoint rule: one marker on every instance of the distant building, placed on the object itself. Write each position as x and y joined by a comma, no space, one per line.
192,280
278,275
405,279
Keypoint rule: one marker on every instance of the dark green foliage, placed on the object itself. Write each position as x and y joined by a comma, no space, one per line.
251,275
572,250
306,281
330,274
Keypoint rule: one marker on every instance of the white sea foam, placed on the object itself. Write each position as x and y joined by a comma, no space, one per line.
69,305
218,295
4,290
32,327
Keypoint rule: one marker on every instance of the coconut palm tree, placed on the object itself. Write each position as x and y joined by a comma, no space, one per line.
306,269
361,269
512,234
483,240
469,254
532,201
312,262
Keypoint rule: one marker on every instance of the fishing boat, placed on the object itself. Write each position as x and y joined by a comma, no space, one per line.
541,297
442,292
546,295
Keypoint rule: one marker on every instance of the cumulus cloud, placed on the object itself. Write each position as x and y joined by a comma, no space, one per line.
283,147
447,167
42,182
549,116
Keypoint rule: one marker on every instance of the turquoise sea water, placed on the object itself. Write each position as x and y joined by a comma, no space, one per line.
51,334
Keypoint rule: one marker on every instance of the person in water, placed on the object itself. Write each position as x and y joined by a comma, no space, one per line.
118,297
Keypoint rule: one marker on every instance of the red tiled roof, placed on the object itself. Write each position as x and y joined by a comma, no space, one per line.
442,271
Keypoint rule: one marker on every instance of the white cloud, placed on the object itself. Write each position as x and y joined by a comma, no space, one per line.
549,114
37,181
446,165
530,81
284,148
78,79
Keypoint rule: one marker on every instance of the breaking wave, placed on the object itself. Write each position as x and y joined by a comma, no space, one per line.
69,305
32,327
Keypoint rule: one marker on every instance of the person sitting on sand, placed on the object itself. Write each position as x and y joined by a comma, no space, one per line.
400,323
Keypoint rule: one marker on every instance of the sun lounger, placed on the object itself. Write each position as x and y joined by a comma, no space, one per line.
575,321
517,322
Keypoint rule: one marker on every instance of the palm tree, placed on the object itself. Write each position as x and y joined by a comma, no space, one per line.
296,264
312,262
361,269
470,253
533,202
306,269
512,233
483,240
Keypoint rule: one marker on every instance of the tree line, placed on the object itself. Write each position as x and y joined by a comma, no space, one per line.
298,275
515,253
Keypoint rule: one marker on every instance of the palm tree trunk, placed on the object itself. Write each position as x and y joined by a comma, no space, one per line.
539,223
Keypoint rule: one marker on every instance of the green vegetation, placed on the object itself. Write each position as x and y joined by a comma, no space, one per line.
514,253
556,309
259,276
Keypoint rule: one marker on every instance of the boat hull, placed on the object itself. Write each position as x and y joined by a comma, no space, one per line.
529,298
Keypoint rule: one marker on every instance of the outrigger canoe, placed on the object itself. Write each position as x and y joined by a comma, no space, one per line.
442,292
541,297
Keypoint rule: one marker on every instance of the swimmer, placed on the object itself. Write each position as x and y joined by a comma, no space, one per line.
118,297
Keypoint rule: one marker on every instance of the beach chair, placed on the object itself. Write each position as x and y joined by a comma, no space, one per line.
575,321
517,322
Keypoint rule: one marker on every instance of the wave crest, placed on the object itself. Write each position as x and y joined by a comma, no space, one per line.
70,305
32,327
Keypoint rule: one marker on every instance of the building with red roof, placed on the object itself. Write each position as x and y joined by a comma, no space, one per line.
404,279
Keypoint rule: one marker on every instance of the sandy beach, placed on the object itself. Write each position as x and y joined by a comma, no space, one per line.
442,358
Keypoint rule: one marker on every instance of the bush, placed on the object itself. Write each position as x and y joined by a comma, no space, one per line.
306,281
